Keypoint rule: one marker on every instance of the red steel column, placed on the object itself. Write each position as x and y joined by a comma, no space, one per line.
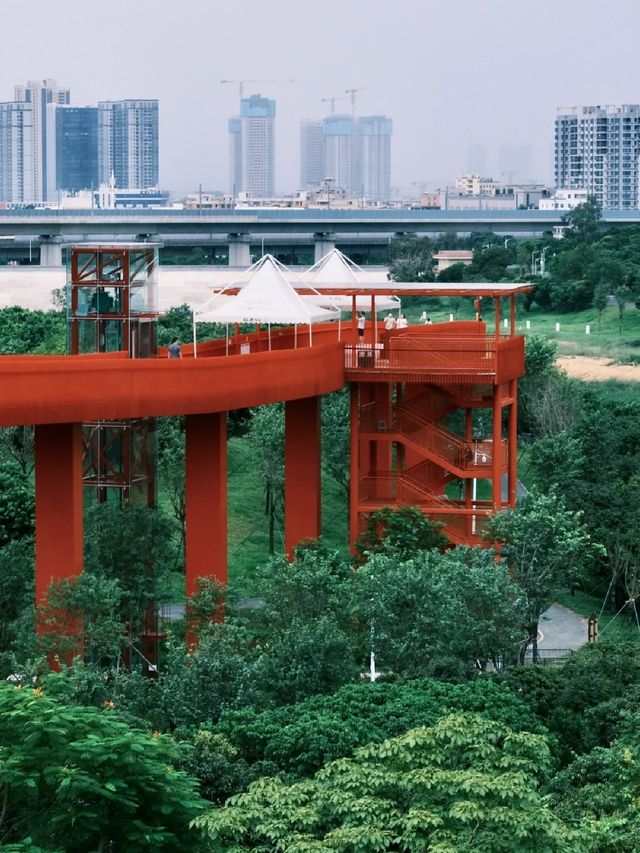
513,443
468,483
354,489
58,504
206,498
302,489
496,449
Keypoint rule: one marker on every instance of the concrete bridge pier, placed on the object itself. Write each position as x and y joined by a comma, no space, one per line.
240,250
324,241
50,251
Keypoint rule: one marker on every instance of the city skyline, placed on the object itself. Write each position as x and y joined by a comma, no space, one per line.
452,76
48,145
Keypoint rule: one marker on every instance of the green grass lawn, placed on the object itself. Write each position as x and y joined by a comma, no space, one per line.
248,537
573,340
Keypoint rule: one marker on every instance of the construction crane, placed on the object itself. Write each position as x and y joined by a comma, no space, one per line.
352,94
332,101
240,83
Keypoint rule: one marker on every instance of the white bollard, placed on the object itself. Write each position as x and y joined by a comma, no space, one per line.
528,324
451,318
587,329
557,327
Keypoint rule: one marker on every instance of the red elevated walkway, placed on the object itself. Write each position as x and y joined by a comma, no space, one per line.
413,435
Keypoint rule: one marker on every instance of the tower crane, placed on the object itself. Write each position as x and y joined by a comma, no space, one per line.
240,83
352,94
332,101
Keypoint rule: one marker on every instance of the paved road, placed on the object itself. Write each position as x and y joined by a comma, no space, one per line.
562,628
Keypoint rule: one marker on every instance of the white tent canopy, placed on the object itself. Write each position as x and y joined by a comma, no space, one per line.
336,270
266,296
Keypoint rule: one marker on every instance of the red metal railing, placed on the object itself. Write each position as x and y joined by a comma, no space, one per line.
464,455
475,357
460,523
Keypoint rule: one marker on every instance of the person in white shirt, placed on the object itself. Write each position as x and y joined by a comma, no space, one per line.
389,322
361,324
402,322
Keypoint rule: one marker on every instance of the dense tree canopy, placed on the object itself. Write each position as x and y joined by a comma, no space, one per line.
78,779
463,784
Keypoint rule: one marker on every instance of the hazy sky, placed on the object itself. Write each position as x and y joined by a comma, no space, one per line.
453,74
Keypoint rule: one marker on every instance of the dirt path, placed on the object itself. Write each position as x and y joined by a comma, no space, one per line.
598,369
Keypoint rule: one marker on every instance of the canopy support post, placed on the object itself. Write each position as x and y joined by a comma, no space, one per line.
195,345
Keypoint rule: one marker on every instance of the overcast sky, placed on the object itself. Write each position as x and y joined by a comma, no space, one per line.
468,83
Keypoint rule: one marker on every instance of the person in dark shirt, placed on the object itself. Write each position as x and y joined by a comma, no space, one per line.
174,350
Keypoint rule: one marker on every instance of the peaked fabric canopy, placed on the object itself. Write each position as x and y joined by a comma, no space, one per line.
266,296
334,270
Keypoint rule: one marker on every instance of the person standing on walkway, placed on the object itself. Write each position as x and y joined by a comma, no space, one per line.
361,324
389,322
174,350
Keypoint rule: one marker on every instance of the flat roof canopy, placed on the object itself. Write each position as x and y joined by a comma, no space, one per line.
419,288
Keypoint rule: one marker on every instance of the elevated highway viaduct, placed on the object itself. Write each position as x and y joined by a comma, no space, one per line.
233,232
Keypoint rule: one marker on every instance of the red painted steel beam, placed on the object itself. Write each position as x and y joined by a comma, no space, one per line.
302,472
35,390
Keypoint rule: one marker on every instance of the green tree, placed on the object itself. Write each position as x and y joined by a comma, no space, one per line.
266,438
544,544
600,299
78,779
411,607
305,627
196,686
410,258
299,739
132,545
583,222
24,331
399,532
19,444
17,505
622,294
336,432
453,273
84,616
171,469
16,591
464,784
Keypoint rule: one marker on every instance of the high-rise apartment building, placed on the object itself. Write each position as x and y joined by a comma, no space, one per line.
354,153
16,153
39,94
235,156
374,168
252,148
72,149
312,153
340,152
128,143
597,148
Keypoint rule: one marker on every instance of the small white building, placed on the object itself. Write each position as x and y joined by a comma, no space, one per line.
449,257
563,199
475,185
